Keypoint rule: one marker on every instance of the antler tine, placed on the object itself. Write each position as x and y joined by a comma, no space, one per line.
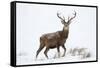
73,16
75,13
63,17
59,16
68,18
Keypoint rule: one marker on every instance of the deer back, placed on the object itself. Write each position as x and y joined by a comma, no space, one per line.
56,38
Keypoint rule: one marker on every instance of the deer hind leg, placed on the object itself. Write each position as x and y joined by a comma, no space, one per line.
64,50
45,52
40,48
58,51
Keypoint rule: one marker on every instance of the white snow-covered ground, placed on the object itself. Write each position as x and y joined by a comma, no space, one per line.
27,59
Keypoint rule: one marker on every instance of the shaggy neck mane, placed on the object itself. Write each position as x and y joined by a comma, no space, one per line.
65,32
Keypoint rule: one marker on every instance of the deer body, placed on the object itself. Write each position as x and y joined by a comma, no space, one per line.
56,39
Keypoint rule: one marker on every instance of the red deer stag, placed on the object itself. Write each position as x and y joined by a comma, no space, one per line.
56,39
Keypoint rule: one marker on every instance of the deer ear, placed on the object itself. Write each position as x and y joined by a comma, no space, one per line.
62,22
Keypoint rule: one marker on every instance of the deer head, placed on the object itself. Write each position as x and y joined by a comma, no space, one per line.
66,23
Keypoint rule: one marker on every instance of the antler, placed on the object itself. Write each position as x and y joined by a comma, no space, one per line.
63,18
72,17
59,16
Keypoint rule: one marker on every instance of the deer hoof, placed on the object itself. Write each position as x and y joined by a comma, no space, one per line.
63,55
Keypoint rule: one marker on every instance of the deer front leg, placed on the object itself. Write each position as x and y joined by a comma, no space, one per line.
58,51
64,50
45,52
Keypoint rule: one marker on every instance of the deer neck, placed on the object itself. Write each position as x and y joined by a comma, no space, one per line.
65,32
